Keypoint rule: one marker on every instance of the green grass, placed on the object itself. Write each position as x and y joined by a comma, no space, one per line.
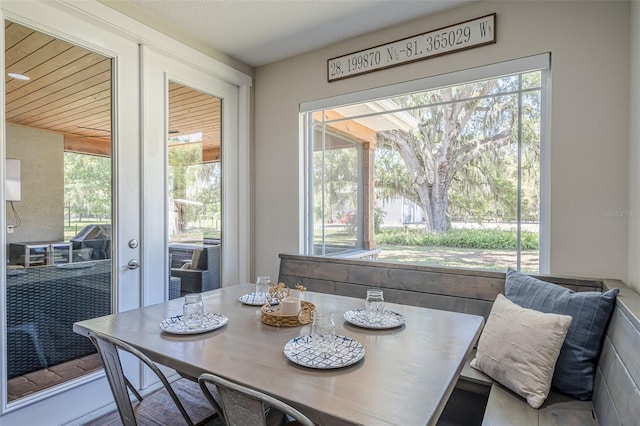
486,259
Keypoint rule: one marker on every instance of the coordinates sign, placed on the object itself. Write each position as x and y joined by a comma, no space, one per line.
468,34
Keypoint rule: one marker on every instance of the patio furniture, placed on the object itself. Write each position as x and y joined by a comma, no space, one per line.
197,267
244,406
108,348
28,331
42,305
96,237
174,282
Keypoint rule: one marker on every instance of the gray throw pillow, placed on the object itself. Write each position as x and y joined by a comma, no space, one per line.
575,370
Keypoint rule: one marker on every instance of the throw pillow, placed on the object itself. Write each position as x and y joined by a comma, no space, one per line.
519,347
590,311
199,260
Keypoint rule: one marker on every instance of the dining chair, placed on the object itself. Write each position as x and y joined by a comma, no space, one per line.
163,408
241,406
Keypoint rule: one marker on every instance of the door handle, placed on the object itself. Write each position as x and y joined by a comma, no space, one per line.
133,264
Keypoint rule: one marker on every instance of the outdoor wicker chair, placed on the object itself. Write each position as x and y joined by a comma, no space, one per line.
43,303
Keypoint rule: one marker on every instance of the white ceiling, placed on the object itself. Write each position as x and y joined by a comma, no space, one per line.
259,32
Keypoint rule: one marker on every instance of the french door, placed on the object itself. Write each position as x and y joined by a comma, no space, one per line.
70,106
191,171
142,188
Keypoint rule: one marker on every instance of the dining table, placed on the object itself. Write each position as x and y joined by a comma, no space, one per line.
405,377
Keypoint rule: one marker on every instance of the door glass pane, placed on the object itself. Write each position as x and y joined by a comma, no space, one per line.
194,190
58,144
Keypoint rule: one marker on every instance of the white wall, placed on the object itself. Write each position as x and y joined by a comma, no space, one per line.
136,13
589,42
634,152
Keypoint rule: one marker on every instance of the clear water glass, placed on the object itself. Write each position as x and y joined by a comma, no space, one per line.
323,333
193,310
374,305
262,287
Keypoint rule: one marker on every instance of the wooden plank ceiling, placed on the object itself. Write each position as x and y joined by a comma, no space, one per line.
69,92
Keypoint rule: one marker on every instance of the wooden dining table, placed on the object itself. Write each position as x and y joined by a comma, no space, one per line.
405,377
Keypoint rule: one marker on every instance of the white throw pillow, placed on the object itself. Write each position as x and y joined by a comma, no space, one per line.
519,348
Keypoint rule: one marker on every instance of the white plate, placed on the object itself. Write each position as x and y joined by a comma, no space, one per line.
175,325
76,265
359,318
251,299
300,351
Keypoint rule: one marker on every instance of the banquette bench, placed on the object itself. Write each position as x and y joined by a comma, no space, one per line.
616,396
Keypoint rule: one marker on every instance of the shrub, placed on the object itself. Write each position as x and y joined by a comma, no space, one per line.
461,238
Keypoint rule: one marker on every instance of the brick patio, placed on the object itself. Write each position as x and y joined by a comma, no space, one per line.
21,386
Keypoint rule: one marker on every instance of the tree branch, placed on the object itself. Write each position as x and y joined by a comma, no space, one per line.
472,149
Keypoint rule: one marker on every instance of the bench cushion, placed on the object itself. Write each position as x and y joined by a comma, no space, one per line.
591,311
504,408
519,348
474,375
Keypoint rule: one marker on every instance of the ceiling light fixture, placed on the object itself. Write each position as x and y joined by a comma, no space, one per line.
18,76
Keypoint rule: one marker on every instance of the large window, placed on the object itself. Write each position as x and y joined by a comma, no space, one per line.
449,175
337,192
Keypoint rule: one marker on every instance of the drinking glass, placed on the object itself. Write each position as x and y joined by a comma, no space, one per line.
323,333
374,305
193,310
262,287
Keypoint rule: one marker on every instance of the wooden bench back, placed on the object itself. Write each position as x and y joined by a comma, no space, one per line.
616,397
459,290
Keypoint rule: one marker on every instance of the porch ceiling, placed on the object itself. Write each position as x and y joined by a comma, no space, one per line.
69,92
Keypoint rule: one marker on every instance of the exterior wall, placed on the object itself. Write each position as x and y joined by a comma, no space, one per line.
589,128
41,207
634,152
